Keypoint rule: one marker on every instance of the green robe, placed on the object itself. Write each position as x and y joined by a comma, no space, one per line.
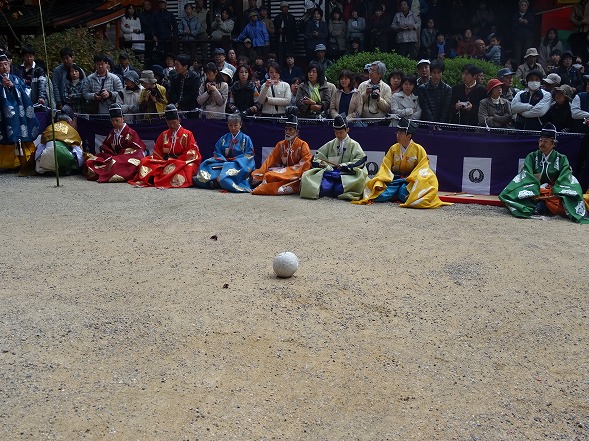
519,195
352,156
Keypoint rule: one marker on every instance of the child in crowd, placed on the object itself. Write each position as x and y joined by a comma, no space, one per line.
493,52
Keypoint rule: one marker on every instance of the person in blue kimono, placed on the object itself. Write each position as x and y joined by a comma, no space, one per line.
18,125
232,162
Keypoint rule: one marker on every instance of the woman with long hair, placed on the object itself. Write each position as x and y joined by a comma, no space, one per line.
547,45
345,100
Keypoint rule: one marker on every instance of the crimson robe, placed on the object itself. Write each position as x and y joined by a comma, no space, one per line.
173,163
119,159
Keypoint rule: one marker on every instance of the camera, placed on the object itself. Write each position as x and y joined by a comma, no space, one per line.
154,91
375,92
217,15
463,104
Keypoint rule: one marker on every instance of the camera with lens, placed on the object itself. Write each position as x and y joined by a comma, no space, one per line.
375,92
463,104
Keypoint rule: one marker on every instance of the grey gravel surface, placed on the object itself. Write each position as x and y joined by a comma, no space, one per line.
122,319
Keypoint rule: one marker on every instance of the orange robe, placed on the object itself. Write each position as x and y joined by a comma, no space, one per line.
282,170
173,164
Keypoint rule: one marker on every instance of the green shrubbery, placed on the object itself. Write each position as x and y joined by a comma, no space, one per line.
84,44
452,74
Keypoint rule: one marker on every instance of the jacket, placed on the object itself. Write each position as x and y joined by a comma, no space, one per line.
274,99
354,110
435,101
407,106
305,91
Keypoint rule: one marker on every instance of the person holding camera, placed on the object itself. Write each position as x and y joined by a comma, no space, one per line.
466,97
101,87
376,94
213,93
153,98
275,94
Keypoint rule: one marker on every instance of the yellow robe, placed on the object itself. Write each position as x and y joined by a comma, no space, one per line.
422,183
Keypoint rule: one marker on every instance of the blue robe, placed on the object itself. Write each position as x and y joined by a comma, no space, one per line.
231,165
17,116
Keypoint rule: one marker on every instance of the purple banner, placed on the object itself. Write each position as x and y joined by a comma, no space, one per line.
474,162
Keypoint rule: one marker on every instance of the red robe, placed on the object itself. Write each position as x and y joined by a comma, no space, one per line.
173,163
282,170
119,158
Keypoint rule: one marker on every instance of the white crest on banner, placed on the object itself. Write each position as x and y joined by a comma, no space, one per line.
433,162
476,175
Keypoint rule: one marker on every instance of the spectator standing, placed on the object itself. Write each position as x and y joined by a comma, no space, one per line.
522,28
435,96
153,98
222,25
346,100
465,45
376,94
580,19
378,27
494,111
423,71
290,71
531,104
130,25
74,89
569,73
165,27
146,21
493,51
315,33
34,77
428,40
60,75
184,85
466,98
285,27
356,28
219,57
549,43
256,31
529,65
559,113
405,103
101,87
337,29
406,26
189,29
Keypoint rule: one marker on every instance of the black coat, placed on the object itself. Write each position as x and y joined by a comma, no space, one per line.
184,91
434,101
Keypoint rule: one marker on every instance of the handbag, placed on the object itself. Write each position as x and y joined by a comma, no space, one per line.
139,46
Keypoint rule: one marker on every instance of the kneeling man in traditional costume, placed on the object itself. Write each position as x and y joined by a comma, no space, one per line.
67,148
121,152
404,175
545,184
282,170
232,162
175,158
338,167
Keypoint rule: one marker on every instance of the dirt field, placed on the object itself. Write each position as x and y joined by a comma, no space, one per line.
121,319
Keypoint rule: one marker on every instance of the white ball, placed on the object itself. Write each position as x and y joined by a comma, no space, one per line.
285,264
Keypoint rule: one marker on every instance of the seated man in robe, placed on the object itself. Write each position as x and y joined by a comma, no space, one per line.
404,175
121,152
545,184
232,162
175,158
18,125
282,170
338,167
67,146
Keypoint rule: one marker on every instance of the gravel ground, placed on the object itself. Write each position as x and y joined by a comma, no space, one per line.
122,319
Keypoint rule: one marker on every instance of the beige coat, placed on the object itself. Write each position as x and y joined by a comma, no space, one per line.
355,109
